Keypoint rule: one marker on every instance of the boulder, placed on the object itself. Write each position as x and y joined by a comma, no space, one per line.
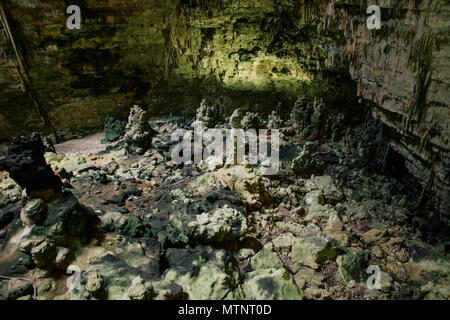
168,290
270,284
140,290
114,129
326,187
313,247
67,224
109,278
316,294
44,254
14,289
307,277
305,165
26,164
267,258
205,273
225,224
125,224
352,265
34,212
95,285
334,223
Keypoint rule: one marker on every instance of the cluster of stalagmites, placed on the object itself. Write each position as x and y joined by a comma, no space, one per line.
56,223
158,230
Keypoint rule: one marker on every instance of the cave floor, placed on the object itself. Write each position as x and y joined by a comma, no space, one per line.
227,232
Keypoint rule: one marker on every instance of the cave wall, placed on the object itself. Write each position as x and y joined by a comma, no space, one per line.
254,52
402,70
168,53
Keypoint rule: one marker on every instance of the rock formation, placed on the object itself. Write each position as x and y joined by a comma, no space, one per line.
138,132
26,164
364,160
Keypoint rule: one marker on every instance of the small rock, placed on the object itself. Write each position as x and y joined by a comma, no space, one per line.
315,198
313,247
19,288
139,290
34,212
316,294
44,254
95,285
63,258
377,252
334,223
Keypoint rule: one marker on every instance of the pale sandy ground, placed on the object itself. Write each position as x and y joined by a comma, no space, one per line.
85,145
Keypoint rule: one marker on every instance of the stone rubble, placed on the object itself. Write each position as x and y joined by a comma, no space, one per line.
141,227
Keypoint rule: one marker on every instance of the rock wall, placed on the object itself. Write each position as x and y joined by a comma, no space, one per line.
170,53
255,53
403,70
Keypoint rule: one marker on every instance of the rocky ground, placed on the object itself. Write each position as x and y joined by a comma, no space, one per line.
129,223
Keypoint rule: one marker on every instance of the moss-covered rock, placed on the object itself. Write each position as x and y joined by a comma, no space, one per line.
126,224
270,284
352,265
313,247
206,273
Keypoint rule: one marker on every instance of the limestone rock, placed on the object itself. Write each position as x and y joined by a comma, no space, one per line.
271,284
300,114
308,277
67,223
26,164
114,129
140,290
64,257
320,213
267,258
125,224
95,285
251,120
44,254
225,224
139,133
168,290
334,223
108,278
208,114
315,198
14,289
274,122
313,247
352,265
206,273
34,212
85,167
305,165
236,119
142,254
316,294
214,162
325,185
